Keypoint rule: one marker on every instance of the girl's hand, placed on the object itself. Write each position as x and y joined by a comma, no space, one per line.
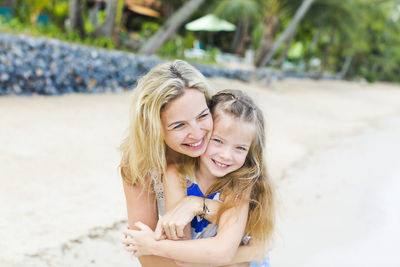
140,242
172,224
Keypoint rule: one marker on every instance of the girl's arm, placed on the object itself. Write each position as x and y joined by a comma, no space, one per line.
183,213
178,216
218,250
180,209
141,207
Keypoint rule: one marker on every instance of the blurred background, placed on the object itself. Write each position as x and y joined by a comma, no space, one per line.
351,39
324,72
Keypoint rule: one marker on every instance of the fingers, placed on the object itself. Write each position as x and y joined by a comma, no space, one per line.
172,231
127,241
166,230
128,232
141,226
158,232
179,231
131,248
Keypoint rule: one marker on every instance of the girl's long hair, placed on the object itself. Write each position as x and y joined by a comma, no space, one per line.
143,149
252,176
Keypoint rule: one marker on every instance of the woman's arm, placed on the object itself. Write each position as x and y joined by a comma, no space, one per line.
217,250
251,252
141,207
244,254
174,193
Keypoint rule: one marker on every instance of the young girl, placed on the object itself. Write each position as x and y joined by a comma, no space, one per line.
232,169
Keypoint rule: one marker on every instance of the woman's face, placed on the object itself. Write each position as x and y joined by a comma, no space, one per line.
187,123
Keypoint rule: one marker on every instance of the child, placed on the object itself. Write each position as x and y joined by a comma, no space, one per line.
232,170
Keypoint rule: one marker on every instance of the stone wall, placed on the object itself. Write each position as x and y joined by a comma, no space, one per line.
44,66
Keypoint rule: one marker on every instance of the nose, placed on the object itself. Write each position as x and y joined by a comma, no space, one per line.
195,131
225,153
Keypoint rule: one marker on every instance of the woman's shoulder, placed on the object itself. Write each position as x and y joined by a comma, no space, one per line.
172,169
172,172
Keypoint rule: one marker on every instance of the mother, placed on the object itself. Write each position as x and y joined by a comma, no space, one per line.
170,119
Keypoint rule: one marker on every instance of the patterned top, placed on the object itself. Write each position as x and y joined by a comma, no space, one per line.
159,192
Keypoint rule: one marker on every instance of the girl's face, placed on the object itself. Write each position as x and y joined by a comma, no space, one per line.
229,145
187,123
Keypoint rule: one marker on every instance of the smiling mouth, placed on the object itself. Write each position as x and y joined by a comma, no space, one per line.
196,145
220,164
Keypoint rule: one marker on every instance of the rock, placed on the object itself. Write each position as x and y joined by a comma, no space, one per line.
50,67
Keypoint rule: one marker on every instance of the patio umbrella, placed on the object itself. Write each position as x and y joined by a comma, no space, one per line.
210,23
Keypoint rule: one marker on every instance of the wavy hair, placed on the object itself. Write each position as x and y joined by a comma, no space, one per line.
252,176
143,149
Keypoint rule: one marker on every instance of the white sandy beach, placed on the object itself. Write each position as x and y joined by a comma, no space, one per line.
333,151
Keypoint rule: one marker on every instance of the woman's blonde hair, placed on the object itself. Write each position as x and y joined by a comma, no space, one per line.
252,176
143,149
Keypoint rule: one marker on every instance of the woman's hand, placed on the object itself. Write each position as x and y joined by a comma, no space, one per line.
140,242
172,224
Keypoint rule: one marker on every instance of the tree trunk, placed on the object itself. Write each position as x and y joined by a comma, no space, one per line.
346,67
282,58
267,39
106,29
244,38
93,13
237,36
324,62
76,17
168,8
316,38
287,32
170,27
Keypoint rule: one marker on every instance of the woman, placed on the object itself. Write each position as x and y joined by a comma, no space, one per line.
231,170
170,119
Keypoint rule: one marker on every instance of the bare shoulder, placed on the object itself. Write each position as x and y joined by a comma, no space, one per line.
172,172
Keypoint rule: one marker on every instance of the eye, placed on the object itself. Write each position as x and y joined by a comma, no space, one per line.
180,125
241,148
203,115
216,140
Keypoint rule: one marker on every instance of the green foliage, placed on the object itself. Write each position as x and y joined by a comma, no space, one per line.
148,29
53,31
173,48
365,30
236,10
256,35
59,12
34,8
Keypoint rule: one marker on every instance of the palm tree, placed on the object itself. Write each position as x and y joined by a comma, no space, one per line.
75,15
244,13
332,19
111,24
263,58
34,9
170,27
272,10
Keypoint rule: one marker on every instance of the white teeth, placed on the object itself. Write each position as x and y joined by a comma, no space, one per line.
196,144
220,164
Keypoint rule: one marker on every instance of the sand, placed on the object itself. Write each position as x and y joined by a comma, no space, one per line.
332,152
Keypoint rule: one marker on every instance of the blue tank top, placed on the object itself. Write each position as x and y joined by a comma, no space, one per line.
201,228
